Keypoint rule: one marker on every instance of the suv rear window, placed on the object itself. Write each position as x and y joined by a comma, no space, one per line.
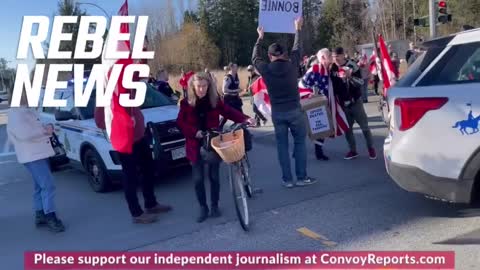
461,64
433,49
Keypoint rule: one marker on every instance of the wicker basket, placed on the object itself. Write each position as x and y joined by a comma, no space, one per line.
230,147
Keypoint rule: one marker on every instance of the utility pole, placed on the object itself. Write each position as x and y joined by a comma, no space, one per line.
433,18
404,20
414,27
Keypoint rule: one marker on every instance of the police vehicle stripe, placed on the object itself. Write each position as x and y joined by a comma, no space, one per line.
81,130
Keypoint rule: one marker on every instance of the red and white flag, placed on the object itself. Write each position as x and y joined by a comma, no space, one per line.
374,63
118,122
388,73
261,98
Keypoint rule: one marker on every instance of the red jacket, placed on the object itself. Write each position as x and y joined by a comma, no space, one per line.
187,121
184,80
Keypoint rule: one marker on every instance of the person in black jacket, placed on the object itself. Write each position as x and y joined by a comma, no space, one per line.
162,84
280,76
347,82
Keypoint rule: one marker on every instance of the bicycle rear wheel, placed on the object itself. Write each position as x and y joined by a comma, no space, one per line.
239,195
246,176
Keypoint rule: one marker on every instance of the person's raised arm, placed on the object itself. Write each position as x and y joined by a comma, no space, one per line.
257,60
296,53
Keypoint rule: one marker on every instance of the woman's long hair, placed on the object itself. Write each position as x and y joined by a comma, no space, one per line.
211,92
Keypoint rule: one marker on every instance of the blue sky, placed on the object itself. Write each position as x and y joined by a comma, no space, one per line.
12,12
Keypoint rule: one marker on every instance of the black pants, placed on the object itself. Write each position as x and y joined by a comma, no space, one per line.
258,114
198,173
139,161
232,101
376,80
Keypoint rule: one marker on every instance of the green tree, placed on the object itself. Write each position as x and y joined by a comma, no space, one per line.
232,26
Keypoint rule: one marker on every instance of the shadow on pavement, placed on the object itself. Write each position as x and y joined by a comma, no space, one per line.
471,238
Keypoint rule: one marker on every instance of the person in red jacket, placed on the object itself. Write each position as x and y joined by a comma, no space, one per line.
184,82
140,157
200,112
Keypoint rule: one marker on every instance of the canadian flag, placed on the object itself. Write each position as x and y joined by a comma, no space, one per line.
388,73
118,122
261,98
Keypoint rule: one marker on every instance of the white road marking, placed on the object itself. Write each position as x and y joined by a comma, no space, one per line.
11,181
7,154
7,162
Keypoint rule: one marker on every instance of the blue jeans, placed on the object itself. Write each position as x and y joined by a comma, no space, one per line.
295,122
44,191
365,89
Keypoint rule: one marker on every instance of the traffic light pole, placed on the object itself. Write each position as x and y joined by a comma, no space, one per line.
433,18
414,27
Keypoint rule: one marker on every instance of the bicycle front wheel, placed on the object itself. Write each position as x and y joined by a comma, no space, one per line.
246,177
239,195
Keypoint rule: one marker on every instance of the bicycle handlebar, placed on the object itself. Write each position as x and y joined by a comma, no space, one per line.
234,128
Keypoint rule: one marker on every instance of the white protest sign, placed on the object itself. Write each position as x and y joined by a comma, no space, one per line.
278,16
318,120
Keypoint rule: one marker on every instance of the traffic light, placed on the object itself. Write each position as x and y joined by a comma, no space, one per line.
443,16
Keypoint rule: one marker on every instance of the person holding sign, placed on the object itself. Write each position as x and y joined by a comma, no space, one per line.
280,76
317,79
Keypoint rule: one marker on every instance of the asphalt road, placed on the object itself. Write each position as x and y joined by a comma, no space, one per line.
354,205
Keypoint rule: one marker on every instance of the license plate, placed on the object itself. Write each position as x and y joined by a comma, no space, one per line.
178,153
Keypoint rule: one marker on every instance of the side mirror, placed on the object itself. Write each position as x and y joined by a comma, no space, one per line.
64,116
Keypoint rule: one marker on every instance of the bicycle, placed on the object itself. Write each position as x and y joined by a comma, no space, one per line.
230,146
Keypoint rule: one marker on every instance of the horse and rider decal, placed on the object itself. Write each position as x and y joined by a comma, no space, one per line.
471,122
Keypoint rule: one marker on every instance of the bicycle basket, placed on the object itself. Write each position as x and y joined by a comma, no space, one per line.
230,147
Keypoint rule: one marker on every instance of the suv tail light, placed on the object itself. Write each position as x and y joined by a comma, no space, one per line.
413,109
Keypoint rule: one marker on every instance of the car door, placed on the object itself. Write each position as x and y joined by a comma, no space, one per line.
47,116
70,131
447,132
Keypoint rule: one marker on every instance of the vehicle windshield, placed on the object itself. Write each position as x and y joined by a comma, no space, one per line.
153,99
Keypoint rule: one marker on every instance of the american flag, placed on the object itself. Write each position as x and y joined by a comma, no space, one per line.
317,78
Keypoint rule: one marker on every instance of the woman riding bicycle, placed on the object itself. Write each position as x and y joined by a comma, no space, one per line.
199,113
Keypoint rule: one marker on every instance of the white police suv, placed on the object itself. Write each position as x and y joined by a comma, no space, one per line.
433,145
89,146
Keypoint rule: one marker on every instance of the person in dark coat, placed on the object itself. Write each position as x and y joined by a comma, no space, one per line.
281,77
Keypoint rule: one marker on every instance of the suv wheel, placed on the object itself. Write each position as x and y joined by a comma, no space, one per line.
96,170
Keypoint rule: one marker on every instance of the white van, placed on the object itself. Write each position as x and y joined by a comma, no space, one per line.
89,146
